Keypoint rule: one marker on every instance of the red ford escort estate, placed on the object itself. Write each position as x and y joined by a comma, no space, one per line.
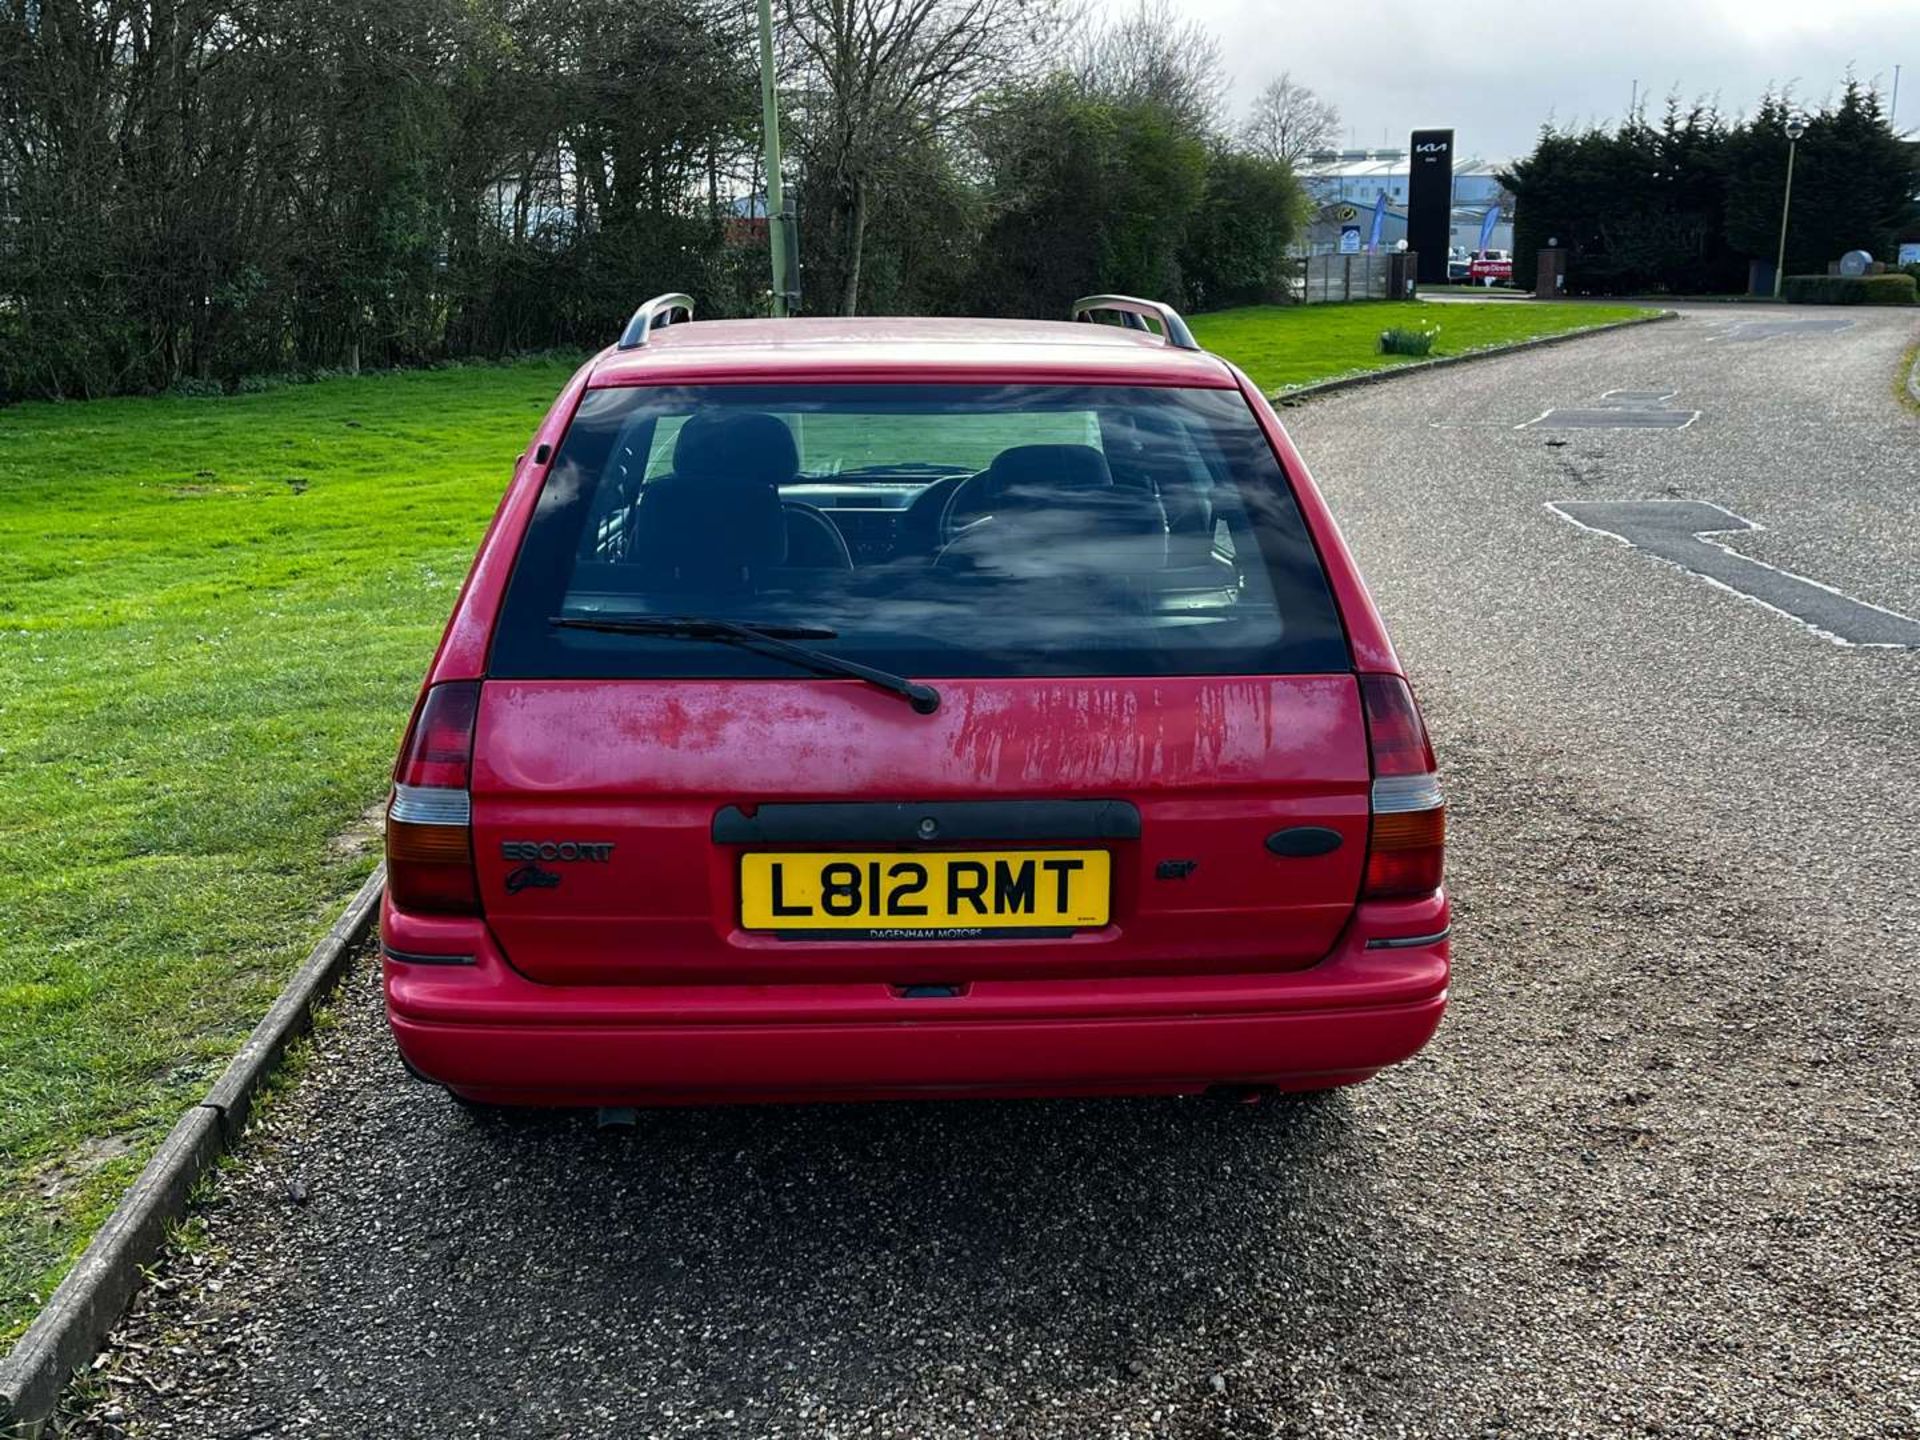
861,708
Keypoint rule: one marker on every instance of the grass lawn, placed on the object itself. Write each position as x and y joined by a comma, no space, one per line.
213,615
1283,346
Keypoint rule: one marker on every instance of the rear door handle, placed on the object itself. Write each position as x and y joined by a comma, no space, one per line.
1304,840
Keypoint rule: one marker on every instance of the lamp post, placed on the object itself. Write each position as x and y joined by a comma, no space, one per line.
1796,127
778,220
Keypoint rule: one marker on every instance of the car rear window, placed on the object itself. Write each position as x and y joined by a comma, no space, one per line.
954,530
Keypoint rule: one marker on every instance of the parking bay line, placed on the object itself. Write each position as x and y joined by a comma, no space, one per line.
1679,532
1616,417
1636,399
1761,328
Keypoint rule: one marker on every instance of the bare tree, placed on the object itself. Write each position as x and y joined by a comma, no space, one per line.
881,76
1155,57
1290,122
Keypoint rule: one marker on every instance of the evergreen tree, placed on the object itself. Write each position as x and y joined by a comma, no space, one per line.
1857,180
1685,205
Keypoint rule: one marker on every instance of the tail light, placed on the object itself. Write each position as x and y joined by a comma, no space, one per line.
1406,846
429,819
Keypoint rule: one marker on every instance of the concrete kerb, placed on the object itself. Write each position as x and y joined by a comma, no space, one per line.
1492,352
69,1331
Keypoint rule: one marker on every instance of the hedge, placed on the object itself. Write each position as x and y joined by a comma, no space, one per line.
1849,289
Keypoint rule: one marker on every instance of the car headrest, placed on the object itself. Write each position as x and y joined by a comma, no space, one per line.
740,445
1060,467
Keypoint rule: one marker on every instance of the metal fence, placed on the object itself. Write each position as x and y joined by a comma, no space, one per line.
1350,277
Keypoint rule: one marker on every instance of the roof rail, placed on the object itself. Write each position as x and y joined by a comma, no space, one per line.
657,312
1134,314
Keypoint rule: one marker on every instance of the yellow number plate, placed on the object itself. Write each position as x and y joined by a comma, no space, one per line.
925,896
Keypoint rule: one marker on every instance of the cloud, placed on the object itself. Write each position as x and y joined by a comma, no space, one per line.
1496,73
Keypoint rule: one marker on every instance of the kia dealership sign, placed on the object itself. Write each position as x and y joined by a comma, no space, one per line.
1430,202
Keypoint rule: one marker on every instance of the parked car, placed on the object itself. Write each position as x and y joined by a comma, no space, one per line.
1491,267
1458,261
904,707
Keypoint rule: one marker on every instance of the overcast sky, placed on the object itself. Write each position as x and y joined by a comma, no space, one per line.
1494,72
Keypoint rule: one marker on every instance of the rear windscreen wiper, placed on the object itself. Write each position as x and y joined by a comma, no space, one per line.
770,639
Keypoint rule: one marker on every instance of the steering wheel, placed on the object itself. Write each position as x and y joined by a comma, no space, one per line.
921,528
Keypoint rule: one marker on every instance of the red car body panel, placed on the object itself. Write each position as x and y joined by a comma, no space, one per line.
924,351
1213,765
491,1034
637,984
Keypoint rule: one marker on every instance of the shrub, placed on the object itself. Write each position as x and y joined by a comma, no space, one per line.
1235,252
1891,289
1408,342
193,387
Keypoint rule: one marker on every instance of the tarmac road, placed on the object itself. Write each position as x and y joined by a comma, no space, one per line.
1657,1176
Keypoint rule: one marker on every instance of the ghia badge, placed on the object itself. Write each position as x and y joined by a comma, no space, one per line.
530,877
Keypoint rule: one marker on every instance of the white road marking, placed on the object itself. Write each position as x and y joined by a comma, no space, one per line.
1621,410
1741,523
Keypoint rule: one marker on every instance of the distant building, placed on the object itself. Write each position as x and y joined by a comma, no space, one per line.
1356,177
1322,235
744,219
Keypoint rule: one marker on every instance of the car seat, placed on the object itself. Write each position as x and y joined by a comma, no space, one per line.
1052,511
716,519
1055,467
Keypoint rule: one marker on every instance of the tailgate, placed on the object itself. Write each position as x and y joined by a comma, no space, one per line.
635,832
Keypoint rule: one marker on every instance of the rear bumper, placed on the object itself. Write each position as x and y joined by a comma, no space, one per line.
488,1033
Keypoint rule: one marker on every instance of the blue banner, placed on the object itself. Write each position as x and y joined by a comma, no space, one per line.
1487,222
1379,222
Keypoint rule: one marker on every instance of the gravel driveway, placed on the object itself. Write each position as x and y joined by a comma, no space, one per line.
1657,1175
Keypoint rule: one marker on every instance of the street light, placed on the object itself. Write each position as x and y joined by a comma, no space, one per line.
781,240
1796,127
